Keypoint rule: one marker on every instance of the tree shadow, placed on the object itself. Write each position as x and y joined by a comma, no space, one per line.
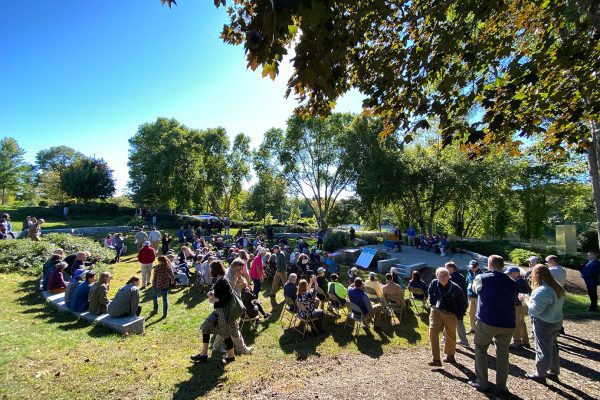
581,341
578,393
291,342
204,378
192,297
407,328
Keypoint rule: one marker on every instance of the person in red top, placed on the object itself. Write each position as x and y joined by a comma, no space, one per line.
162,280
257,272
146,257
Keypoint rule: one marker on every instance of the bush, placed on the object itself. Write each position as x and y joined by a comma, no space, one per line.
487,247
28,256
520,256
43,203
336,240
572,261
587,241
371,238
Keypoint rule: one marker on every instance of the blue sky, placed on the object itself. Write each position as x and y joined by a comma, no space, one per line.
87,73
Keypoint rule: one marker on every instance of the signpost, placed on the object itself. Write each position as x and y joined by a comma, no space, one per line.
365,258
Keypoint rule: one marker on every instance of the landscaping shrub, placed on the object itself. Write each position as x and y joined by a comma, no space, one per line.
486,247
28,256
336,240
587,241
572,261
371,238
43,203
520,256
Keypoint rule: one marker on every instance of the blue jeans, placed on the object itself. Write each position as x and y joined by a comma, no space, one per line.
119,252
257,285
163,293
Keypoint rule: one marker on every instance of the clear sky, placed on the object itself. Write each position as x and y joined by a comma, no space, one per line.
87,73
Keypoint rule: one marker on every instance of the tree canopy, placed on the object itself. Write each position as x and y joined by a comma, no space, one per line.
88,179
14,170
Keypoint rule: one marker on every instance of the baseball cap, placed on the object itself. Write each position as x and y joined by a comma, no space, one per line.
533,259
146,243
320,270
372,273
513,269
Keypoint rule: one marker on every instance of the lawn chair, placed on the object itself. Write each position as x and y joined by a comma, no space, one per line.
372,294
355,315
320,292
395,309
418,302
253,322
308,321
290,308
335,305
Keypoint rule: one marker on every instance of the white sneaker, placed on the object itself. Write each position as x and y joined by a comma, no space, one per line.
247,350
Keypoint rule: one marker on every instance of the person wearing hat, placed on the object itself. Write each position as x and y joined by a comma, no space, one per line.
76,279
56,280
127,300
374,284
472,273
146,257
99,294
79,300
520,336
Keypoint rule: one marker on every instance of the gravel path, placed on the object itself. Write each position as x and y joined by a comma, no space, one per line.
404,374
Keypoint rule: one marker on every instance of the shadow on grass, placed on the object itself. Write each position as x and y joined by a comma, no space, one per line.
204,378
192,297
33,300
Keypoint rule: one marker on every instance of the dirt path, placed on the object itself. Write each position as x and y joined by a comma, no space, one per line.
405,374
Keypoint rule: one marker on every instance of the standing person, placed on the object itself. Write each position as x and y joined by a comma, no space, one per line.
412,236
119,243
35,230
98,297
280,273
352,234
8,225
320,237
557,270
495,321
146,257
257,272
545,307
589,273
448,306
127,300
226,225
217,322
162,280
154,237
460,280
140,238
520,336
474,270
165,242
27,224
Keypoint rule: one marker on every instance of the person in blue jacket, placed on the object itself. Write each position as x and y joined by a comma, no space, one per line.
590,274
79,299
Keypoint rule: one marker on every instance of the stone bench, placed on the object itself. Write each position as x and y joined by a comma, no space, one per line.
406,270
123,325
383,266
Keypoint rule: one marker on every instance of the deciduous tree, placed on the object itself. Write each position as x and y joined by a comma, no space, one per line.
14,170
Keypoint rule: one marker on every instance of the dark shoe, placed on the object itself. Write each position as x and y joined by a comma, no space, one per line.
516,346
435,363
535,377
153,312
503,391
267,315
450,359
478,386
553,377
228,360
199,358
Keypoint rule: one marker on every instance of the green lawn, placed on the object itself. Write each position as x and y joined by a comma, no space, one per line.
46,354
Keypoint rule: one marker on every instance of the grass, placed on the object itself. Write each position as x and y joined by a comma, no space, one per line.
48,354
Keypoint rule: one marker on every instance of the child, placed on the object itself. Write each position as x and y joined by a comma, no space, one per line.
253,307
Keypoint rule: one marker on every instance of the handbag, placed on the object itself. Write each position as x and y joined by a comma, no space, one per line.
236,307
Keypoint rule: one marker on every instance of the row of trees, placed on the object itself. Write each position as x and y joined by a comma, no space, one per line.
60,173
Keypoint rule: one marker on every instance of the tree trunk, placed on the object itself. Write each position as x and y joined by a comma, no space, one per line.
3,192
594,167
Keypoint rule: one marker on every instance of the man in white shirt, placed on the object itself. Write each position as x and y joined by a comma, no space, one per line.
154,238
558,272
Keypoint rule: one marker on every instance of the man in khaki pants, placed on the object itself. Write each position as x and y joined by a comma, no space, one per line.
474,270
495,321
448,305
280,277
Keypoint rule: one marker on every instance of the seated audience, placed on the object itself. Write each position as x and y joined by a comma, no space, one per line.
289,289
352,274
76,279
392,292
307,296
56,280
338,290
49,266
321,283
357,296
99,294
250,300
127,300
80,298
374,284
397,278
332,267
416,282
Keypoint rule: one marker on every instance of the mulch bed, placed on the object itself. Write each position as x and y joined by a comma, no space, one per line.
404,373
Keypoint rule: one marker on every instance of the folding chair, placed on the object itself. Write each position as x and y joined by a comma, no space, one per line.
320,292
335,304
309,320
253,321
355,315
395,309
414,300
290,307
372,294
